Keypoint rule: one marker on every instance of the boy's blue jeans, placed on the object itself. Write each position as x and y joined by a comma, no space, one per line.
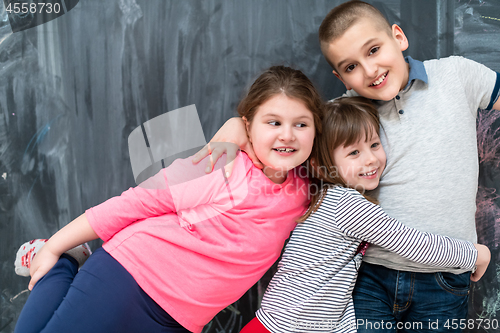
387,300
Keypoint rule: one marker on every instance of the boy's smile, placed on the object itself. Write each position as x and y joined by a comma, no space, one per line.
370,61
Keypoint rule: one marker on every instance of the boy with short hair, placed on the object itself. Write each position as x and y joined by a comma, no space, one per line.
428,114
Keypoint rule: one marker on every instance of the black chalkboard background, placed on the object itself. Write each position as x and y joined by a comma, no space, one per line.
74,88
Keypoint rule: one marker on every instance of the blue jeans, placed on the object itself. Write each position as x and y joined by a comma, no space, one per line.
101,297
387,300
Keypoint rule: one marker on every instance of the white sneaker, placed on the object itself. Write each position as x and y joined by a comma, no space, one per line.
28,250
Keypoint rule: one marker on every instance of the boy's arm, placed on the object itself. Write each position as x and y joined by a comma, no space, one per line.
480,84
496,106
361,219
482,262
231,136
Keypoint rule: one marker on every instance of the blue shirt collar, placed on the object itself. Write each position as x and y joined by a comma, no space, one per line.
417,71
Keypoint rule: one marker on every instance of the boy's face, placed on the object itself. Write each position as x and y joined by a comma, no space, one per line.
370,61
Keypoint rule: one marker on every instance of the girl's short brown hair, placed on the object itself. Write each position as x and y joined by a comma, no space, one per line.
346,121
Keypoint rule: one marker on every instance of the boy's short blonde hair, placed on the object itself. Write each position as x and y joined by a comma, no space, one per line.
342,17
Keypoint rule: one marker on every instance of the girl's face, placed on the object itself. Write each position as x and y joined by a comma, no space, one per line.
282,134
361,163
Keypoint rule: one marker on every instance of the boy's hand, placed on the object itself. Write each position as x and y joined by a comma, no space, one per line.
215,150
228,138
43,261
483,259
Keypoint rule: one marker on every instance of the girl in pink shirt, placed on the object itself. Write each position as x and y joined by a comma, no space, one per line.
184,244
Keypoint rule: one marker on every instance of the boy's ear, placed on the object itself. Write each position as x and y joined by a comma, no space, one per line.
400,37
340,78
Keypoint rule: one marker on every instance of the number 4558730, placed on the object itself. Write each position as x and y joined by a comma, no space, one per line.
40,7
471,324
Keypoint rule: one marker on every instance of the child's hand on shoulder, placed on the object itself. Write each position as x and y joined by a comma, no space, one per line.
229,139
482,262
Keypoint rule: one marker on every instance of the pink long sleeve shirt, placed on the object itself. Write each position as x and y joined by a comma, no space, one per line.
195,243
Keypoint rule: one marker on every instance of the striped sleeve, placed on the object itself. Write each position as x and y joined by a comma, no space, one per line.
359,218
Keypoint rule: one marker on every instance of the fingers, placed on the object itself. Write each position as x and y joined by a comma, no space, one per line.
482,261
478,273
34,279
204,152
473,276
214,157
214,150
231,157
476,276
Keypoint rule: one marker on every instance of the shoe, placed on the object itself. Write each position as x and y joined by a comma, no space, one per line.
28,250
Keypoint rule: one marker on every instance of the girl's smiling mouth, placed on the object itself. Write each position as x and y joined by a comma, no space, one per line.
370,174
285,150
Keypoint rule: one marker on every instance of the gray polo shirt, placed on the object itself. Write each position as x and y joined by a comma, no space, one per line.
429,134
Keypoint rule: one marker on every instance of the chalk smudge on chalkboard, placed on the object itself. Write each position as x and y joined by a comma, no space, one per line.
491,304
22,292
488,210
131,11
487,216
485,294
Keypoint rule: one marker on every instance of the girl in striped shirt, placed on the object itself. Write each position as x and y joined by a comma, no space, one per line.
311,292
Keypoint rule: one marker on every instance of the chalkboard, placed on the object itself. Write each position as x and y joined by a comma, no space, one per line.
73,88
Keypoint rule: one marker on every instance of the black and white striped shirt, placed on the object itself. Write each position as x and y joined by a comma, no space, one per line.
311,292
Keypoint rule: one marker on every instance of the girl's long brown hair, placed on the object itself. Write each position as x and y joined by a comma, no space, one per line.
346,121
